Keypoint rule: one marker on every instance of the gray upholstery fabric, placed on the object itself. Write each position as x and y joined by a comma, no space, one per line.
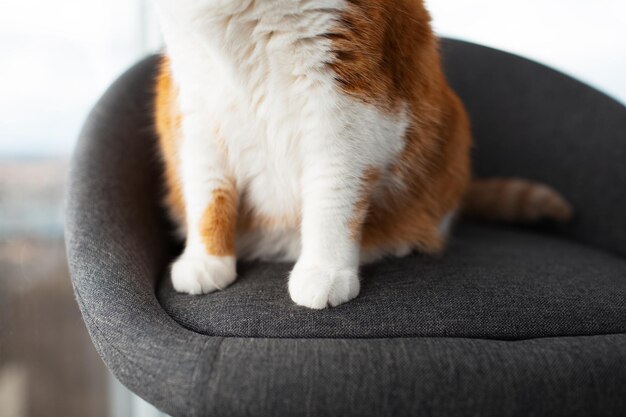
119,245
581,376
492,283
536,123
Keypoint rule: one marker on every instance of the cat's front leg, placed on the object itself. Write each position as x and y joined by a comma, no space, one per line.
335,198
208,262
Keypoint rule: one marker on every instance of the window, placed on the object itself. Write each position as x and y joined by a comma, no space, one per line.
58,58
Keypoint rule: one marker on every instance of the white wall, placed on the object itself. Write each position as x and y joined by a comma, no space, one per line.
586,39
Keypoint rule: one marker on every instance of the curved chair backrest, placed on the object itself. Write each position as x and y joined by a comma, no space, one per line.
528,121
533,122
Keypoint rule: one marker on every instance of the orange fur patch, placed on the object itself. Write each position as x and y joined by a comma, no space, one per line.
387,55
168,121
380,47
511,199
218,226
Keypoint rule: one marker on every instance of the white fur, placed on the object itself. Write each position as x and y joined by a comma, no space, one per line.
445,225
262,109
202,274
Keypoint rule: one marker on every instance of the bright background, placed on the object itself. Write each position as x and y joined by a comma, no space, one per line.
586,39
58,56
57,59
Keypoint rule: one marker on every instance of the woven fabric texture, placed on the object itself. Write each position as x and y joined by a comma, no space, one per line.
510,322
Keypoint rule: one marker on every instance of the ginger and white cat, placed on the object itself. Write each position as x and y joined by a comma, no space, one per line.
321,131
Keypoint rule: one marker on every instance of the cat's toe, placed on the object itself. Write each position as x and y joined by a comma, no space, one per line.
319,288
345,288
204,274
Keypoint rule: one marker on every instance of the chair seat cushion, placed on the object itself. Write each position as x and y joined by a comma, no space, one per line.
493,282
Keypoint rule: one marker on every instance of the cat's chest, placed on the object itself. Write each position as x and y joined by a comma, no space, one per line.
263,144
259,76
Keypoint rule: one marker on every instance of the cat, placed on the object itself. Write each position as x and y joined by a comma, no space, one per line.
317,131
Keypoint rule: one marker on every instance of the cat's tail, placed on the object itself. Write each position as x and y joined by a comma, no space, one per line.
515,200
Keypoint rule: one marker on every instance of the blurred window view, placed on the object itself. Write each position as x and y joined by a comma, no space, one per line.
58,58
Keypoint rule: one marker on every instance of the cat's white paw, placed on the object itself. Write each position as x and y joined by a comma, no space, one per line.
196,275
320,287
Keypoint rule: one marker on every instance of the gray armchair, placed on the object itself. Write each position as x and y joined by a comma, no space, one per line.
511,321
